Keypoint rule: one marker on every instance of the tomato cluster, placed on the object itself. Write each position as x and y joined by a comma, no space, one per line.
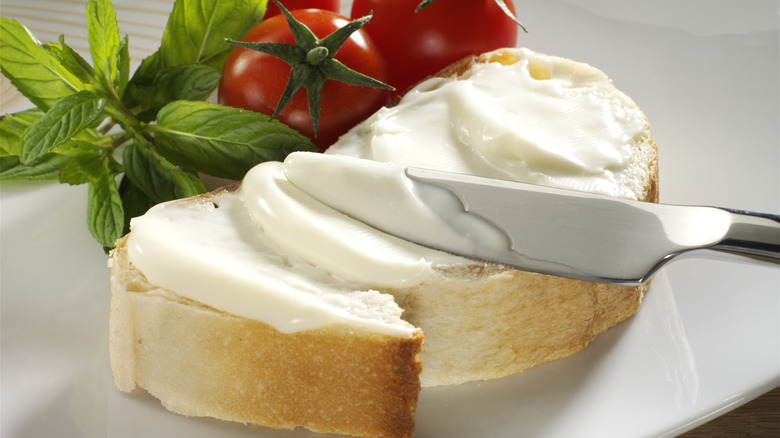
399,46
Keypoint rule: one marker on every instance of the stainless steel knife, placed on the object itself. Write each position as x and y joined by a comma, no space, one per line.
540,229
600,238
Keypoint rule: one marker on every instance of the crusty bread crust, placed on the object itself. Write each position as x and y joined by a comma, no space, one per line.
479,322
485,322
203,362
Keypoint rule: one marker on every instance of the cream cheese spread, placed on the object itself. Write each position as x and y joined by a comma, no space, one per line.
347,248
395,204
273,253
541,120
211,251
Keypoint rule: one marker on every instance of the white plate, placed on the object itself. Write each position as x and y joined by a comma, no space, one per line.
706,339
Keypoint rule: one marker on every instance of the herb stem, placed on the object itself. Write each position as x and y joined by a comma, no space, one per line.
119,140
103,130
106,140
121,115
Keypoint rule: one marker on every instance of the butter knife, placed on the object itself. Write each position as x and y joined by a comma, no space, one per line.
531,227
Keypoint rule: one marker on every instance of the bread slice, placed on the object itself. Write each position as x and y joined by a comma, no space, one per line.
479,321
200,361
486,321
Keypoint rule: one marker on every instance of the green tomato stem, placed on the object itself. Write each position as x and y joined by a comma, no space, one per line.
316,55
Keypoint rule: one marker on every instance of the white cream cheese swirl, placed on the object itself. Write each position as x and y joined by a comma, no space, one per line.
304,226
273,253
211,250
540,120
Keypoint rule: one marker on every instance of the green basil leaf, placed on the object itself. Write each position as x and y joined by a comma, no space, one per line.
159,179
53,48
134,201
105,215
45,167
141,85
76,64
103,37
222,141
66,118
82,169
196,30
183,82
86,141
74,148
88,134
123,66
12,126
143,75
36,72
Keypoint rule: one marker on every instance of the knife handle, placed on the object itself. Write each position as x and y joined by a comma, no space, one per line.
752,234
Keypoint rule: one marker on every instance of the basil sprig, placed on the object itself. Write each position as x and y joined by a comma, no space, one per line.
140,140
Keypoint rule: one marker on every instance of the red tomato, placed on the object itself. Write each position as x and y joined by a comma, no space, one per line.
328,5
419,44
255,81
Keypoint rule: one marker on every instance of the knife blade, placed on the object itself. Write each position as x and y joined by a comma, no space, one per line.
530,227
601,238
